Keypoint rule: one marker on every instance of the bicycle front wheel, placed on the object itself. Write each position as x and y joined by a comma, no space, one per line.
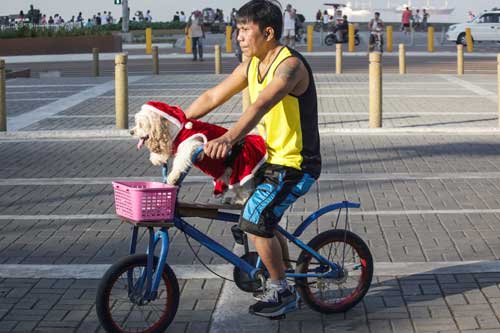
119,305
351,254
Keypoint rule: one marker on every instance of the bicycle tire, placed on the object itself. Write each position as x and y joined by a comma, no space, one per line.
168,287
305,260
329,40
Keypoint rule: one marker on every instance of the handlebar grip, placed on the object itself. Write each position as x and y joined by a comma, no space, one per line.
196,154
164,172
194,158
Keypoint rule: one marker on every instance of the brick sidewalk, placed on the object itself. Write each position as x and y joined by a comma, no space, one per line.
426,197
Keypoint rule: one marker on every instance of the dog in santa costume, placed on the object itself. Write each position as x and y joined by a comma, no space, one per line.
166,132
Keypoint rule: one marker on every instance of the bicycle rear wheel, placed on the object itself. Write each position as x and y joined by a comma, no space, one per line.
347,250
119,309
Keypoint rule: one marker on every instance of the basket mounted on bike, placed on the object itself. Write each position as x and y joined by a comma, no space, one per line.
145,201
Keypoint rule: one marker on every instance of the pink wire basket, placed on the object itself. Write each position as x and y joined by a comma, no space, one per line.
145,201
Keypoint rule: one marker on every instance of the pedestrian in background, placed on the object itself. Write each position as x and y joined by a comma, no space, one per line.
289,26
425,19
326,20
195,26
417,20
405,21
471,16
319,16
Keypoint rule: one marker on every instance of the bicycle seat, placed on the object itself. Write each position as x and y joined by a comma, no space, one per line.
206,210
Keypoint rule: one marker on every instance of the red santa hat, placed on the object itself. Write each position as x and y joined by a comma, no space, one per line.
173,114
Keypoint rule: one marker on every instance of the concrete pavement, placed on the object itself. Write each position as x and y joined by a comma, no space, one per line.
429,184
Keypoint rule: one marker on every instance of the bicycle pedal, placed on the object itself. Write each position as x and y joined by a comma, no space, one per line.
238,234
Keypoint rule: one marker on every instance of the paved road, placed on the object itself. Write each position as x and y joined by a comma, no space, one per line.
323,64
429,184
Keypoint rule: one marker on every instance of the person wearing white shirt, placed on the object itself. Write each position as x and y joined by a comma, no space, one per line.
289,26
182,17
104,18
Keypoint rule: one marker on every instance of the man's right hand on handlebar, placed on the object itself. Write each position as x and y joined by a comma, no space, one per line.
218,148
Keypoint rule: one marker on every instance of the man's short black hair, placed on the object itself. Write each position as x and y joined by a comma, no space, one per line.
265,13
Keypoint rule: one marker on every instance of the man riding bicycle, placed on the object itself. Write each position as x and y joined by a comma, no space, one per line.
284,108
376,28
341,30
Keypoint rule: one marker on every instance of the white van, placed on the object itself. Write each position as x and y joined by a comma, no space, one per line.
485,27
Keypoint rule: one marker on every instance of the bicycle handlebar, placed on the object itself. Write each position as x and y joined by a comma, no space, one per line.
194,158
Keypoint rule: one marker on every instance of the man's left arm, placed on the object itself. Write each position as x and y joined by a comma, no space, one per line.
289,74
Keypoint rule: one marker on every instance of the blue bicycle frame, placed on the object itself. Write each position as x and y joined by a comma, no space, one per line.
152,279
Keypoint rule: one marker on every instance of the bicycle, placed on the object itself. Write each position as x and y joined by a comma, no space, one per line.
332,273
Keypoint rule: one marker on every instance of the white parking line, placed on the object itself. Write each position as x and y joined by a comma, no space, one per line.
113,134
319,96
15,86
472,87
231,311
96,271
10,93
236,114
291,213
207,179
28,118
31,99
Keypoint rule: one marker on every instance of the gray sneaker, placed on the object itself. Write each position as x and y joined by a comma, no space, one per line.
274,303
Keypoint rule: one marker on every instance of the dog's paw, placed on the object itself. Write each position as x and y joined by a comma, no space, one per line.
172,179
239,201
157,159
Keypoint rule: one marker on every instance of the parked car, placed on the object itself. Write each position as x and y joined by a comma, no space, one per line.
485,27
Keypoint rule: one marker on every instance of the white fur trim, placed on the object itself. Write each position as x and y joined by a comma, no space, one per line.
186,142
165,115
174,131
196,136
251,175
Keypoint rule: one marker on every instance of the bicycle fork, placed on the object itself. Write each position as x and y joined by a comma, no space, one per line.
138,293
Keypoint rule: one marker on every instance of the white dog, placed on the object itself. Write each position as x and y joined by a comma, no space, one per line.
167,133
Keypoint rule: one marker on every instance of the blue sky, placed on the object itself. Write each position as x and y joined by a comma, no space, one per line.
164,9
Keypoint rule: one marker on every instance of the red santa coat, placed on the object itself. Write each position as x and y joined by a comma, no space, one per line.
252,155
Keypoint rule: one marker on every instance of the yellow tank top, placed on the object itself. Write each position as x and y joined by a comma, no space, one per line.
290,128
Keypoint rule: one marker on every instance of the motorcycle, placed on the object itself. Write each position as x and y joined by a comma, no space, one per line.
376,41
331,38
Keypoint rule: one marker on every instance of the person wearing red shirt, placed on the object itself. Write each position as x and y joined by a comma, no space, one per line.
405,20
